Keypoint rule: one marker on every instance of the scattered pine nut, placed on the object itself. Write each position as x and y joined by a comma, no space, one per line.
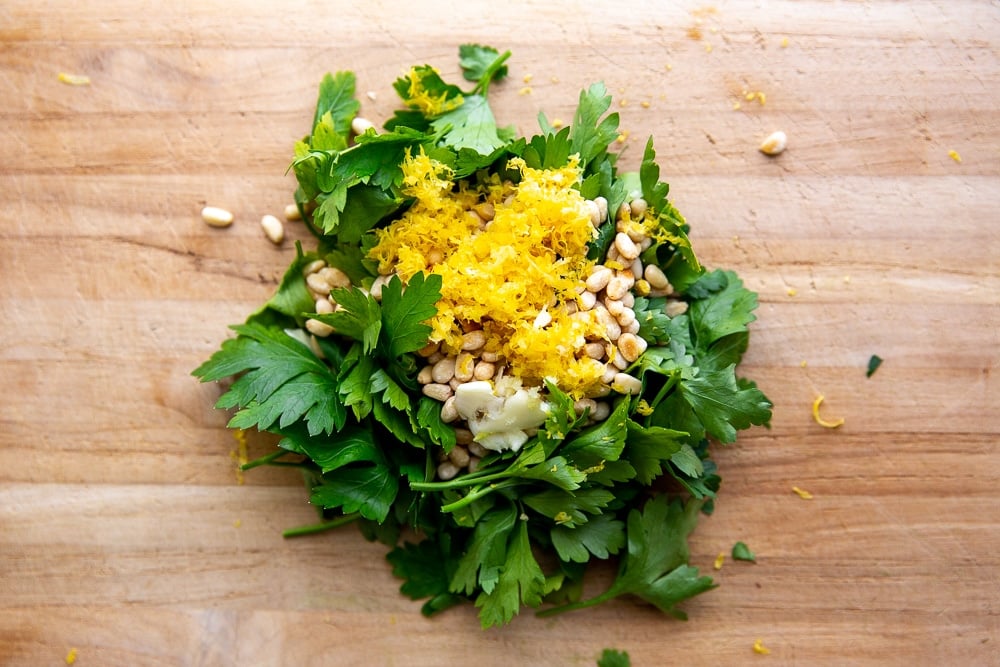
292,213
273,229
774,144
216,217
361,125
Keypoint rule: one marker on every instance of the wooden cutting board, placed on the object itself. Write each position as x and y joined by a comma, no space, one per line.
127,537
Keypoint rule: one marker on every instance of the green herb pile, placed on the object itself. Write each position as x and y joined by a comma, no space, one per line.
522,529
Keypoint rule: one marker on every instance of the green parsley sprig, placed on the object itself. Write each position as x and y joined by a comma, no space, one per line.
522,529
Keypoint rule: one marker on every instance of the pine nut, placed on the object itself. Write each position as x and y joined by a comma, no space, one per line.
444,370
618,286
585,405
318,328
439,392
655,277
675,308
631,346
463,436
636,268
645,243
614,307
610,372
626,318
595,213
449,412
484,370
624,212
602,206
628,300
428,350
632,328
490,357
473,463
216,217
473,340
292,213
601,412
361,125
459,456
571,307
638,207
594,350
273,229
610,324
542,320
465,366
586,301
626,246
618,360
626,384
323,306
314,346
598,280
484,211
377,285
602,391
316,283
426,375
313,267
334,277
774,144
446,470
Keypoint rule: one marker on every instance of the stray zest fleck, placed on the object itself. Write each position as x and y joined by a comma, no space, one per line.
499,345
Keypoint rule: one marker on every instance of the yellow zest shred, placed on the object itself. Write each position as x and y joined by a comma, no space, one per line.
525,91
528,78
803,363
431,105
237,523
74,79
708,48
792,291
645,104
819,420
953,154
759,648
784,42
71,656
737,106
719,560
802,493
644,408
504,273
558,122
240,456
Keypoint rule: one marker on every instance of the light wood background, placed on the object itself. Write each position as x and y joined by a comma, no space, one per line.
123,531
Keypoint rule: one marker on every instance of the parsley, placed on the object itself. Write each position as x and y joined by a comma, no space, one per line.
522,528
742,552
614,658
873,365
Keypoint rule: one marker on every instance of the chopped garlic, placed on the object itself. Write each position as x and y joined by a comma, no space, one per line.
819,420
499,423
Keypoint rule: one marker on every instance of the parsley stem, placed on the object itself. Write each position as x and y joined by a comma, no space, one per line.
321,527
458,482
474,495
572,606
264,460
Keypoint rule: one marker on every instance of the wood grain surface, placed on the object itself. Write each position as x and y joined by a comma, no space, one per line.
124,533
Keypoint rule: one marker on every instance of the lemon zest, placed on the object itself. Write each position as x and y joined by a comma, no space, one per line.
501,274
802,493
759,648
953,154
431,105
819,420
644,408
719,560
74,79
71,656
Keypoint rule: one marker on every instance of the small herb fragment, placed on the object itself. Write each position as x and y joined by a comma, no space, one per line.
742,552
614,658
873,365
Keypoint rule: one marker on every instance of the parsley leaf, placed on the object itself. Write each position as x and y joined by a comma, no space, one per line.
484,556
521,581
726,311
281,381
590,135
470,126
742,552
716,405
359,317
336,105
613,658
482,64
655,566
873,365
404,313
601,536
